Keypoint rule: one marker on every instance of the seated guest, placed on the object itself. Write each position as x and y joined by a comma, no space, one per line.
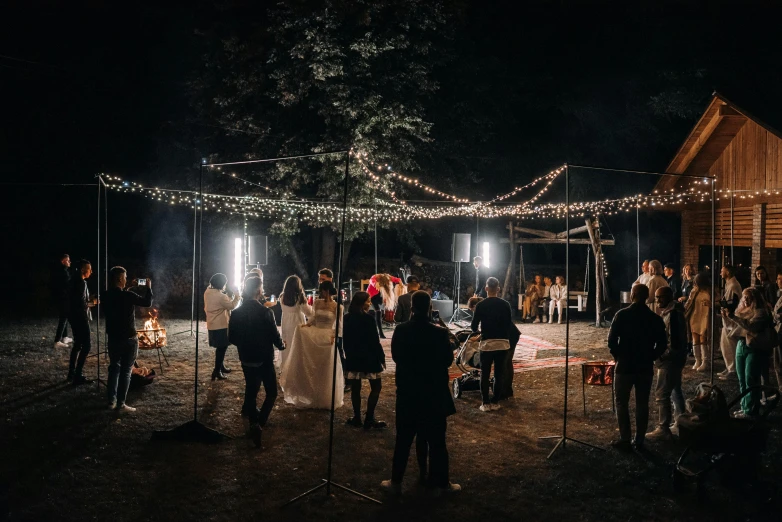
670,365
636,339
493,317
254,332
545,298
404,303
79,304
217,305
364,359
669,271
120,309
532,299
422,353
558,294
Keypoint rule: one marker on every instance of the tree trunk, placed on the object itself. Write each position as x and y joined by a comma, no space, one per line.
597,248
298,265
327,248
506,287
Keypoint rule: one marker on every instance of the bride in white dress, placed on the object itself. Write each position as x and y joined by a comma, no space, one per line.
306,375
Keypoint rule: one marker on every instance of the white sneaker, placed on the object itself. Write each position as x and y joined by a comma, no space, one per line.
495,406
125,407
66,340
60,344
391,487
486,407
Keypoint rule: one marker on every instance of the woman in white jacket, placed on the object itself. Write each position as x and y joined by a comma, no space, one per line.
217,305
558,296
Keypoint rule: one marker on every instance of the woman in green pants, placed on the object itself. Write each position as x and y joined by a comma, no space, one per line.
753,315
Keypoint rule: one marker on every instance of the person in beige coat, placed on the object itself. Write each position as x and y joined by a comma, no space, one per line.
655,282
697,311
217,305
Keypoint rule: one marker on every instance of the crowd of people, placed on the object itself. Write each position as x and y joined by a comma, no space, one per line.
671,317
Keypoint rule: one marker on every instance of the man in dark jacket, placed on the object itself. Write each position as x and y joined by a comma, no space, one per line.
669,270
79,304
422,353
254,332
494,318
670,364
404,303
636,339
60,284
120,308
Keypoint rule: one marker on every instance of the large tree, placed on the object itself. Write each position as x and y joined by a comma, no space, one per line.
320,76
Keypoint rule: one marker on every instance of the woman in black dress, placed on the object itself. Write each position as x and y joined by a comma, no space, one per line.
364,359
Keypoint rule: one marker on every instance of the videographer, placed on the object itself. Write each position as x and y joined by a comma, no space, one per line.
217,304
730,301
120,305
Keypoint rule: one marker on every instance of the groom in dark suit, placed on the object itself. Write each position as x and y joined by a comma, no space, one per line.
422,353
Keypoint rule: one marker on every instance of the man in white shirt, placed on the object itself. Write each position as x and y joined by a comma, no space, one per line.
730,300
644,277
655,281
558,295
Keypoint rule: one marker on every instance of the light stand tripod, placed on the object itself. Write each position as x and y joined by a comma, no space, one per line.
459,315
194,430
563,439
327,482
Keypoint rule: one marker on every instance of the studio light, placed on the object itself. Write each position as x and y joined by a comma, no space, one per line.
486,254
238,263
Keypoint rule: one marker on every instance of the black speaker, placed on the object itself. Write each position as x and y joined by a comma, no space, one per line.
460,248
258,250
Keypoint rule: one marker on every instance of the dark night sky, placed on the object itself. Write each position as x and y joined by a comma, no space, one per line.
104,89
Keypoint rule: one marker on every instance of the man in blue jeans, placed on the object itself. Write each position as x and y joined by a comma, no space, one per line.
669,366
120,308
637,338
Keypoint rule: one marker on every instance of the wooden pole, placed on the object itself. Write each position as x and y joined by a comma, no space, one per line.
597,249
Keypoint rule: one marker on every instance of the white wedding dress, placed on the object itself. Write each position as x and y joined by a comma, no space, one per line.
292,318
306,374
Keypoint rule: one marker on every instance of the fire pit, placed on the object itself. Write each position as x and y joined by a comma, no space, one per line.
153,337
598,373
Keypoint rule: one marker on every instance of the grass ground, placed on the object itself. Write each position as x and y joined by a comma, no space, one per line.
65,457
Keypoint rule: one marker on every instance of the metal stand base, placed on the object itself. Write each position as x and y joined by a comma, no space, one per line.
191,431
460,315
327,484
563,441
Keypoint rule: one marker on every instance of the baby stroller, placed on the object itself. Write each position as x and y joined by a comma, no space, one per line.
468,360
716,442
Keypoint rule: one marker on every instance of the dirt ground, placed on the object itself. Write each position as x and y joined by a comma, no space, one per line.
66,457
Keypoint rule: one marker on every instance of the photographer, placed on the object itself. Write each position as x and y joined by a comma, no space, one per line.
729,302
121,331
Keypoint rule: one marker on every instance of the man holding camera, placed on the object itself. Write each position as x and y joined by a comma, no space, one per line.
120,306
404,304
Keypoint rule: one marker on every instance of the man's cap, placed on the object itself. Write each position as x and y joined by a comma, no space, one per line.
412,279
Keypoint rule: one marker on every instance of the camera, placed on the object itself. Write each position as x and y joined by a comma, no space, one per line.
142,282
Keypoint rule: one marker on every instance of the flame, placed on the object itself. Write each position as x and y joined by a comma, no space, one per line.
153,334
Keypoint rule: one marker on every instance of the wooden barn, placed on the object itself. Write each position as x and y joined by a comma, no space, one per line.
745,155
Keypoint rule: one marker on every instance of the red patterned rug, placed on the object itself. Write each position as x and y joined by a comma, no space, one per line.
531,354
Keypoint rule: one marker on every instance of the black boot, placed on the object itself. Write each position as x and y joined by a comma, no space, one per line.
217,374
224,369
370,423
